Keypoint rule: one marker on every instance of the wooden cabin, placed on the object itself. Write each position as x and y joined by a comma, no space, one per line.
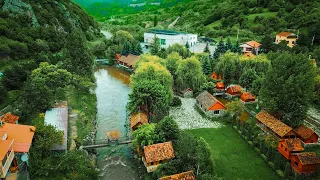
306,162
210,105
247,97
10,118
127,61
138,119
189,175
6,154
233,91
306,134
154,155
220,86
216,76
287,147
271,125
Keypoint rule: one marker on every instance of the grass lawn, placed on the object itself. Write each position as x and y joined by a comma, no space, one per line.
233,157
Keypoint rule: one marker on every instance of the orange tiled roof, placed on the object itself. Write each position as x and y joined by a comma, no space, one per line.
4,148
189,175
129,60
21,134
294,144
113,135
10,118
285,34
139,117
307,158
117,56
220,85
274,124
235,89
253,44
158,152
304,131
247,95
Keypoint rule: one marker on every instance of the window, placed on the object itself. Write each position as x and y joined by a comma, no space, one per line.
162,41
311,141
216,112
282,145
285,149
296,163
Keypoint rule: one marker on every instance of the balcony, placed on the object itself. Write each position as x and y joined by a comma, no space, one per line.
7,164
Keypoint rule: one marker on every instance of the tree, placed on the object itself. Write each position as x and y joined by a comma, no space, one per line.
138,49
206,67
206,49
221,49
228,44
227,66
122,36
184,52
78,59
235,108
247,78
126,49
204,164
189,74
167,129
172,63
163,53
256,86
267,43
187,45
155,48
287,88
155,21
145,135
3,92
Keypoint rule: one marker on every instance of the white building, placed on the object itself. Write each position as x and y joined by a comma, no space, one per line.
168,38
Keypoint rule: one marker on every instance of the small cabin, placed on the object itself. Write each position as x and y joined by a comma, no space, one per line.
306,134
233,91
138,119
273,126
210,105
10,118
289,146
6,154
305,163
189,175
247,97
220,86
216,76
127,61
154,155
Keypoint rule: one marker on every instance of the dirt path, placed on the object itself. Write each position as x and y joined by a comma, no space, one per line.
73,129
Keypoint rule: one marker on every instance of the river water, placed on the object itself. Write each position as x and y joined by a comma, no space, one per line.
115,163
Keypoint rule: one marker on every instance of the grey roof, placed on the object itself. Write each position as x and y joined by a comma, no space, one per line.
167,32
58,117
206,99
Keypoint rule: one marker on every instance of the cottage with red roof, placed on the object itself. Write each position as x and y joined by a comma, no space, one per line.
250,46
10,118
288,146
138,119
220,86
289,37
216,76
274,126
210,105
189,175
233,91
305,163
247,97
306,134
156,154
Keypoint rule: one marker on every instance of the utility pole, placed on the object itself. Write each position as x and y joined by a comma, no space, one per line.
312,40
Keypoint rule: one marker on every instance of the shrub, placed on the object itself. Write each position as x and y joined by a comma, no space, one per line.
264,157
280,173
250,143
257,150
271,165
175,102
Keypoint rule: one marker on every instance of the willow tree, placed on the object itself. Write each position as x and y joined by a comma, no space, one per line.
148,58
189,74
172,63
288,87
227,66
151,86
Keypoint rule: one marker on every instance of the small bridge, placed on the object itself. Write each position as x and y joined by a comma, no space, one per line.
103,61
105,142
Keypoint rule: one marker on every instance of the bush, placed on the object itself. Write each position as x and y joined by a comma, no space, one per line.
280,173
240,132
257,150
271,164
250,143
263,157
175,102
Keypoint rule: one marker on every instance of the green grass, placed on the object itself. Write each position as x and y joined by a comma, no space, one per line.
264,14
234,158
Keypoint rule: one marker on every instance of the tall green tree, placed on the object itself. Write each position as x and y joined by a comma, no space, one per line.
155,21
172,63
126,49
167,129
145,135
227,66
247,78
138,49
155,47
206,49
184,52
287,88
221,48
228,44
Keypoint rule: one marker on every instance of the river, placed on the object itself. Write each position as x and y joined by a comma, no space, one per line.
112,96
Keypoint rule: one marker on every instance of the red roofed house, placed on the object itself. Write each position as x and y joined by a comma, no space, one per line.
210,105
220,86
289,37
247,97
6,153
10,118
155,154
117,56
306,162
273,126
21,134
216,76
249,46
288,146
233,90
189,175
306,134
138,119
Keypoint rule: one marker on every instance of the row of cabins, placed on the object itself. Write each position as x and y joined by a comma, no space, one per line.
291,142
15,140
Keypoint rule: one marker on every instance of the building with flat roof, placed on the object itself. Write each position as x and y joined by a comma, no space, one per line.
168,38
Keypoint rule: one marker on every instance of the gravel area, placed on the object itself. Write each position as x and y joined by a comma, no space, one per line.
188,117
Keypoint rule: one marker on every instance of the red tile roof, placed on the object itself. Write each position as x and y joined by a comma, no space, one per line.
307,158
247,96
10,118
139,117
4,148
158,152
189,175
294,144
220,85
129,60
285,34
304,131
253,44
274,124
235,89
